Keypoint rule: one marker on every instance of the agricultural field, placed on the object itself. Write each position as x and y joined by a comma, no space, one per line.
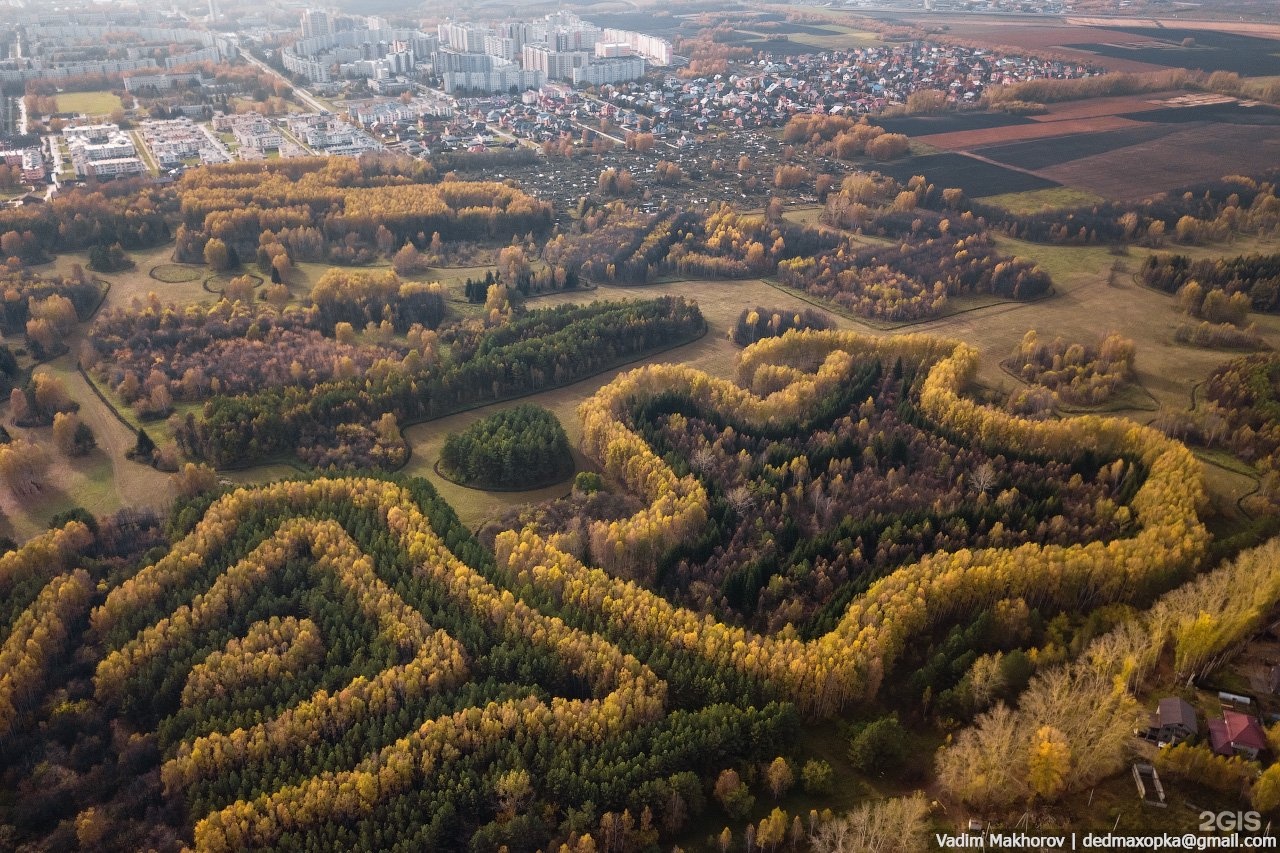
1117,148
1187,155
1208,51
89,103
976,177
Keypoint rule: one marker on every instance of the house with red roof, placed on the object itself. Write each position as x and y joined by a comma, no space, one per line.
1237,734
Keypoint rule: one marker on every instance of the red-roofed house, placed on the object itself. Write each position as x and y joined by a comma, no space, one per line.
1237,734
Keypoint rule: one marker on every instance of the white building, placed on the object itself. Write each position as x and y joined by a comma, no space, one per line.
554,64
602,71
656,50
112,167
316,23
256,132
172,142
100,149
315,70
464,37
503,47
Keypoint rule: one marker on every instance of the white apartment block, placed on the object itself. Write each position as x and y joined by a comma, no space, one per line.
315,70
499,78
174,141
465,37
260,134
656,50
113,167
603,71
316,23
502,47
101,149
554,64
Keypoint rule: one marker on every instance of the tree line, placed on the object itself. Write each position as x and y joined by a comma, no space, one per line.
539,349
849,662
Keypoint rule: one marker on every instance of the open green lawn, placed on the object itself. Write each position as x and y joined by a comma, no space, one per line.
102,481
89,103
1033,201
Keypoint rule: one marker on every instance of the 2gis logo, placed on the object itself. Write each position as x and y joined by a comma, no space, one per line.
1230,821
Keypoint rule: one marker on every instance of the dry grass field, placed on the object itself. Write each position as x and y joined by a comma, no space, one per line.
101,482
89,103
1123,105
1034,201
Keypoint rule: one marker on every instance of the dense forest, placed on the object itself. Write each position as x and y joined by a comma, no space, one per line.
803,519
472,365
428,723
843,544
345,210
337,663
1245,394
1254,278
518,448
913,281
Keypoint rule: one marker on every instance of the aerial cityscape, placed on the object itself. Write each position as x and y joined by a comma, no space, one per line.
618,427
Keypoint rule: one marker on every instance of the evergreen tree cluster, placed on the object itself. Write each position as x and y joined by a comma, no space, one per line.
518,448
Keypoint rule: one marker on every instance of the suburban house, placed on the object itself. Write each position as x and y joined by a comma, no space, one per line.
1237,734
1174,721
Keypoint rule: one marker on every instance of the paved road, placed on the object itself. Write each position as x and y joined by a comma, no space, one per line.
302,94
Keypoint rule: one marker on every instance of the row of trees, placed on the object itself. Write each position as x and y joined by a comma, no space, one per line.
438,663
59,301
538,349
805,517
1240,283
152,354
356,207
757,323
364,296
25,571
849,662
1220,335
1245,414
271,649
38,636
133,214
627,693
844,138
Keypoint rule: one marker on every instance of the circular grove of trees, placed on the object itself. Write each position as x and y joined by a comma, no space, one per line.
519,448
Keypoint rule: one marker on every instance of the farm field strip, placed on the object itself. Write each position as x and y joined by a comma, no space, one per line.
1123,105
965,139
1036,154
